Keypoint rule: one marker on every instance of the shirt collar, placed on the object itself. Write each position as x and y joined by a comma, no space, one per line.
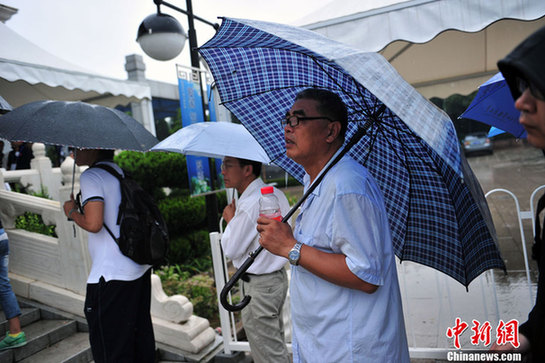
306,178
258,183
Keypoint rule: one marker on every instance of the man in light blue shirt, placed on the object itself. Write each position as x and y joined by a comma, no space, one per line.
345,299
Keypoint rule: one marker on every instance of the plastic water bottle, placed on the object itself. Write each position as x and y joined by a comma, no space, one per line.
268,204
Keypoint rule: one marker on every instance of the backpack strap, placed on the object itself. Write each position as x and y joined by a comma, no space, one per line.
111,233
119,177
110,170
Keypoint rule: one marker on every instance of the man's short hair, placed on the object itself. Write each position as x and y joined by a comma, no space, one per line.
329,104
104,154
256,166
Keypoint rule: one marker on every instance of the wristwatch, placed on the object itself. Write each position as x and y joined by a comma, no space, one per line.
295,254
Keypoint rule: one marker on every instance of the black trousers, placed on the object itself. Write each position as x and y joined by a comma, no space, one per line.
119,319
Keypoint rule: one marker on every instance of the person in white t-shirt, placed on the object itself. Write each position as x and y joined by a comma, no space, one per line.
266,280
117,302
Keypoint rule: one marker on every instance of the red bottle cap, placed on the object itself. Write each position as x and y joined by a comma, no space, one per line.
267,190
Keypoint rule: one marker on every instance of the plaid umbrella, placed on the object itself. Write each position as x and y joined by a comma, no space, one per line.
437,211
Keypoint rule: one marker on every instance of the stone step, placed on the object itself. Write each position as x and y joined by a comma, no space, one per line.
74,349
40,335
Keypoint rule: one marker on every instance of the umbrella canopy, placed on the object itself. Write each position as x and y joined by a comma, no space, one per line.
4,106
214,140
494,106
76,124
437,212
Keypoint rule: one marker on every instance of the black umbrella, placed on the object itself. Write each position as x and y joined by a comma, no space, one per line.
77,124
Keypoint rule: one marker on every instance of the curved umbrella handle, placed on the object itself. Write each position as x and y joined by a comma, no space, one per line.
229,285
234,279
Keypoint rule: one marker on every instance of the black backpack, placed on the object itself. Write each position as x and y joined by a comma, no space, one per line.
143,232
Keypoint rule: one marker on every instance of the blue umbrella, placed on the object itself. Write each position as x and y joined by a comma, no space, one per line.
494,106
494,131
437,211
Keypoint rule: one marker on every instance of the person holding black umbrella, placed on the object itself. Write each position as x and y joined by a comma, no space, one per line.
345,299
524,72
118,297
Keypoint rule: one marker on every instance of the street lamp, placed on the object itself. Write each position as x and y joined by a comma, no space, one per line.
162,37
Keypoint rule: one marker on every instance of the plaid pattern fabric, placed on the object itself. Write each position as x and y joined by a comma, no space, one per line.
412,150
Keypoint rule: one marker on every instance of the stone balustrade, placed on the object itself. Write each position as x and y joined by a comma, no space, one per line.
54,270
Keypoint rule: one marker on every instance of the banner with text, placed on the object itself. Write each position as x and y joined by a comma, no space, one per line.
192,107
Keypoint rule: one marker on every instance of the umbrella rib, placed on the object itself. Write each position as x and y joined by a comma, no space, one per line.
314,59
384,131
334,80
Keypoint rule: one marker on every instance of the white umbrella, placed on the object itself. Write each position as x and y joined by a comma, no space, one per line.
214,140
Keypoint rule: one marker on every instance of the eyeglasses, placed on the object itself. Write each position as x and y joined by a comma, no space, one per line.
523,84
293,120
228,165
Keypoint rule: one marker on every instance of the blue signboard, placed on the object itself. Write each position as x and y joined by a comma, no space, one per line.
213,117
191,106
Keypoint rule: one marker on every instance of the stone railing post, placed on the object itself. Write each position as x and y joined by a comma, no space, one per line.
174,323
42,164
2,181
72,239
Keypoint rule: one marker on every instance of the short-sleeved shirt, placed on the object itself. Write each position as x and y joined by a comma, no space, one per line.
108,261
241,237
346,214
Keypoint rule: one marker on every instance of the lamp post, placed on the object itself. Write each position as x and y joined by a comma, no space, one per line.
162,37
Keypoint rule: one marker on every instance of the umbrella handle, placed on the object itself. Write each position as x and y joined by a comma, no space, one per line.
231,283
250,260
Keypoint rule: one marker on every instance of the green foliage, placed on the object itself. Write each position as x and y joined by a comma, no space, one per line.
183,214
199,289
43,193
176,122
33,222
454,106
172,272
161,129
191,250
155,169
292,199
222,202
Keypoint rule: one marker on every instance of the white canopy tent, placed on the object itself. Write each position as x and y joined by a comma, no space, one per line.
29,73
441,47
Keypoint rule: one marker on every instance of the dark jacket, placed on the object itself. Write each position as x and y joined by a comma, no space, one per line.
527,61
20,159
534,327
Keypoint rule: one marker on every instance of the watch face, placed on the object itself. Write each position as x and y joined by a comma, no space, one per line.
293,256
